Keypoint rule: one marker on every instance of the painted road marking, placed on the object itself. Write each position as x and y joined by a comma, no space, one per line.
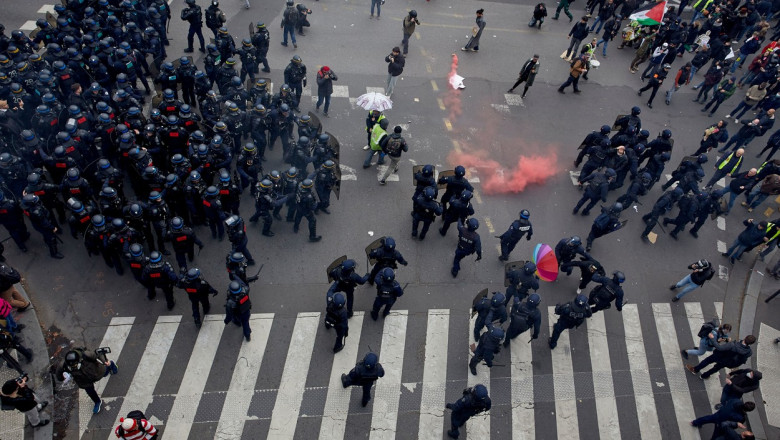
603,388
434,382
565,398
640,374
387,390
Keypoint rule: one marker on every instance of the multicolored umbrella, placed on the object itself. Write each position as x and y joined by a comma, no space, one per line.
546,263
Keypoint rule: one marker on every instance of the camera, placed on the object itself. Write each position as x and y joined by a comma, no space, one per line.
22,378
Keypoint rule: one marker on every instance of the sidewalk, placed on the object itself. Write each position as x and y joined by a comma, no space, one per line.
13,425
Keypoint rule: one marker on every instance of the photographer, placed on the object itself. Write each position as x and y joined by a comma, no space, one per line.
19,396
702,271
410,21
325,78
86,369
395,68
303,13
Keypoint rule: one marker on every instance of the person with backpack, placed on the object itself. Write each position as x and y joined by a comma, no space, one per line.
606,222
524,316
8,277
85,369
215,18
702,272
577,67
728,355
711,336
135,427
475,400
17,395
289,22
393,148
601,297
365,373
193,15
336,317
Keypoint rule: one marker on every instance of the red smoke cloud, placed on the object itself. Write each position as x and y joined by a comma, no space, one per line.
496,179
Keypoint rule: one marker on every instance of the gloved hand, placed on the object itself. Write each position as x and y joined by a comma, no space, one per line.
200,246
529,237
406,263
304,82
67,377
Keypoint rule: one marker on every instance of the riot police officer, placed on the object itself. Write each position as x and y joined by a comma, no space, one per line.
488,311
159,273
249,62
489,345
425,209
295,77
40,218
265,201
386,256
571,315
198,290
689,205
596,189
365,373
324,181
606,222
157,212
567,249
455,185
305,204
474,401
183,240
663,205
137,262
12,218
459,209
516,231
601,296
194,16
521,281
212,209
238,307
229,192
236,230
96,240
336,316
468,243
387,292
235,263
424,178
524,315
80,218
345,280
260,41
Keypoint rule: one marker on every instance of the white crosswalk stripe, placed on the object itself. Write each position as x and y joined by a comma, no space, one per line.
531,385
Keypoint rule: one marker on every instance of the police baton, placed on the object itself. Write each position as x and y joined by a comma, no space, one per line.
6,239
258,270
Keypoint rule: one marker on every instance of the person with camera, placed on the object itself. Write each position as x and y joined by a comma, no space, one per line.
86,369
702,271
395,68
325,78
17,395
410,22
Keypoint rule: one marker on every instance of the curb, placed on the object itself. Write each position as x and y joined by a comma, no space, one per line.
39,368
747,320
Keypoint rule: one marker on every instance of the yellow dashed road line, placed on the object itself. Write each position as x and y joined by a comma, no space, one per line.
441,104
489,225
477,198
456,146
428,68
434,86
417,35
448,124
423,52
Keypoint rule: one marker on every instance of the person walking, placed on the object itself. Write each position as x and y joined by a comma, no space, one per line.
611,29
86,369
769,187
683,78
727,165
738,383
474,401
393,148
395,68
728,355
753,235
365,373
325,78
193,15
752,97
724,91
527,75
17,395
577,34
702,272
378,5
578,67
410,21
739,183
563,4
656,80
656,61
136,427
476,33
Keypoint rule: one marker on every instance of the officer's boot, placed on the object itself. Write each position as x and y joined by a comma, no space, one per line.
53,250
313,237
267,228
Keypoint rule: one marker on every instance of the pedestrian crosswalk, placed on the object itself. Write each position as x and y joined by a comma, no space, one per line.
620,374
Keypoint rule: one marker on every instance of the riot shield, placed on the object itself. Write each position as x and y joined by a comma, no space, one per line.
51,19
692,159
315,122
376,244
334,145
418,169
337,185
446,173
512,266
482,294
251,29
583,144
153,70
615,125
334,265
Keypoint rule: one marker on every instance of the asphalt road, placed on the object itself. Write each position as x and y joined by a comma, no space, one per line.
480,126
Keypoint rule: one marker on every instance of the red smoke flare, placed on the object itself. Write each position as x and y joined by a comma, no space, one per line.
452,97
495,179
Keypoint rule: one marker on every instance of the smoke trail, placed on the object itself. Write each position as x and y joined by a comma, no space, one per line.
496,179
452,97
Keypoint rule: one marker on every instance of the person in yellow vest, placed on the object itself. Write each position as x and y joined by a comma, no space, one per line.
773,234
373,118
377,140
699,8
728,165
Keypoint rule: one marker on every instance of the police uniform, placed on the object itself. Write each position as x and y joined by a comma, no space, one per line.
488,311
601,296
365,373
524,315
489,345
474,401
236,230
519,228
425,210
238,307
387,292
571,315
345,281
198,291
183,240
160,274
468,243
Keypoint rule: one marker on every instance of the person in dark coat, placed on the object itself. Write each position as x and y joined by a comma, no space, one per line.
365,373
754,234
734,410
325,78
739,184
739,382
527,74
728,355
474,401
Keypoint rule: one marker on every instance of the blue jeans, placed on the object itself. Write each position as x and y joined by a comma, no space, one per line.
736,249
289,29
325,98
743,107
703,347
599,22
371,154
378,4
693,70
732,197
11,327
689,286
756,197
606,42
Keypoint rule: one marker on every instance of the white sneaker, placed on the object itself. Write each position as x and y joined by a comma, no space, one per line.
579,291
366,147
728,116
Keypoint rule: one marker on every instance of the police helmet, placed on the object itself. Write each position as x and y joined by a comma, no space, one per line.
429,193
459,171
702,158
348,265
98,221
307,184
677,193
427,170
108,192
534,299
529,267
305,119
292,172
581,300
212,191
575,240
610,172
155,257
329,164
472,224
666,134
237,257
284,108
195,176
339,300
155,195
324,138
296,59
136,250
497,332
635,111
303,141
177,223
76,206
118,224
498,299
73,174
234,287
274,175
266,184
618,276
617,207
466,195
524,214
193,273
480,392
605,129
389,243
387,274
370,359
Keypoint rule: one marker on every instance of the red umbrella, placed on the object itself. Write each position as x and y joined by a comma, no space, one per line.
546,263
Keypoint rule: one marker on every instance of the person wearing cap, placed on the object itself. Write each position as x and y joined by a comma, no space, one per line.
325,78
579,67
395,67
656,61
135,429
753,235
393,147
476,33
656,79
16,394
527,74
410,21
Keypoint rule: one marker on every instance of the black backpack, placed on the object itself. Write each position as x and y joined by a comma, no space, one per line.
290,16
212,18
707,328
393,146
8,277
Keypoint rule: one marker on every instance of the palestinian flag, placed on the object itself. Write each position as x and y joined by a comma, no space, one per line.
650,15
